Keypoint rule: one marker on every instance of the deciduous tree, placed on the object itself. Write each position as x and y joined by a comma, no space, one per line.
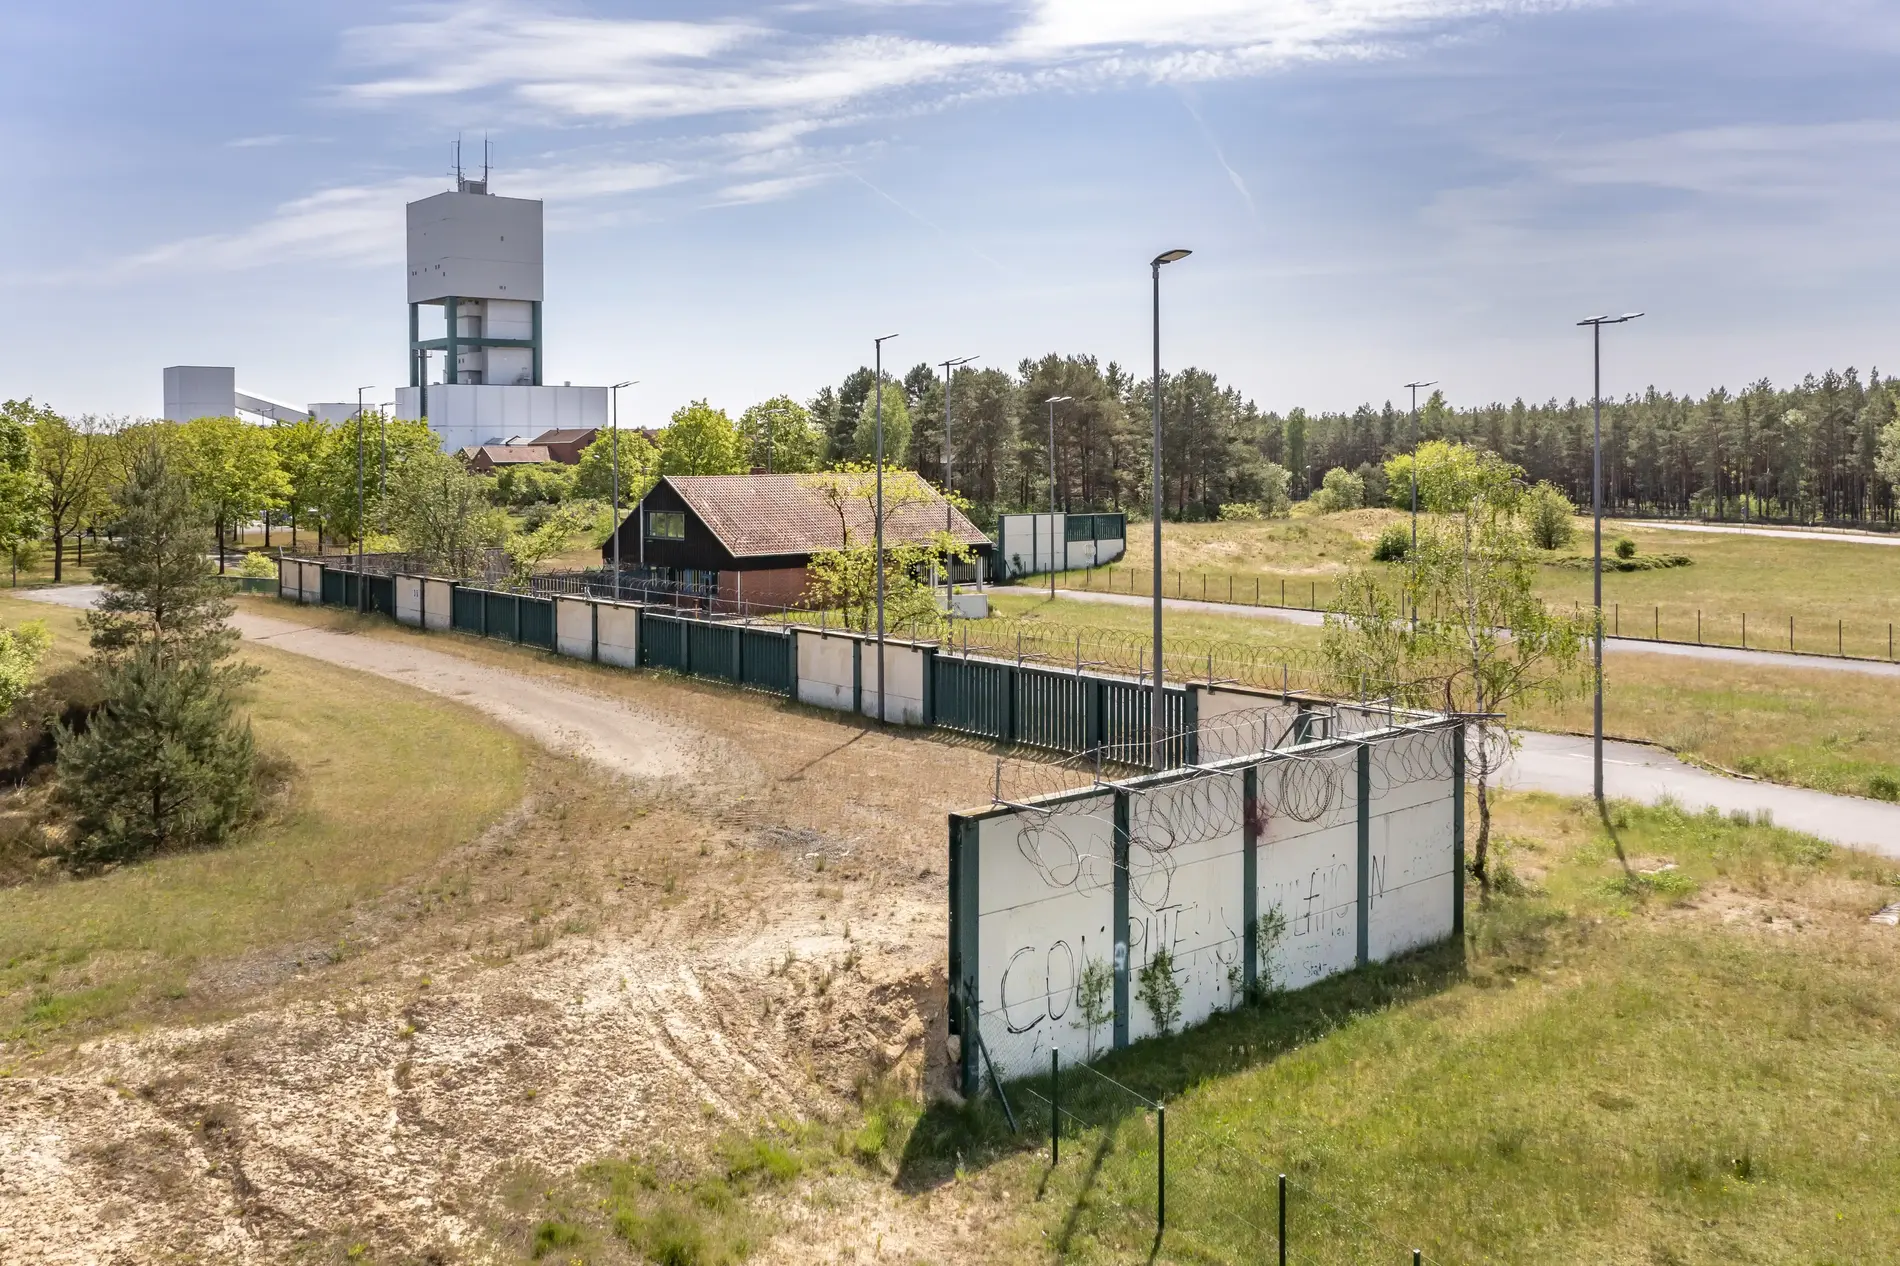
232,466
701,440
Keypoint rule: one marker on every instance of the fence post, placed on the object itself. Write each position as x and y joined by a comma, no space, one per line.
1282,1220
1283,592
1312,597
1791,635
1055,1110
1161,1168
1616,615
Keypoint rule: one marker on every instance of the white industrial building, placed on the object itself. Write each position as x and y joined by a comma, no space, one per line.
478,258
211,391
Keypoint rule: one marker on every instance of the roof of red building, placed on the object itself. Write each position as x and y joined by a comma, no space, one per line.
510,454
761,515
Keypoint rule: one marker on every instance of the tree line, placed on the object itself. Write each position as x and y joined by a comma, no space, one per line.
1808,452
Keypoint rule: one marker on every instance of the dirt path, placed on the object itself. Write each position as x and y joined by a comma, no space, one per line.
606,731
739,931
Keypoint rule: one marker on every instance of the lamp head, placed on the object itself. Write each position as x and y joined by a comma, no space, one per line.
629,383
1168,257
1414,386
1057,399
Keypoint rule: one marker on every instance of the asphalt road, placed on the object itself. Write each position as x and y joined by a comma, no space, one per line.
612,734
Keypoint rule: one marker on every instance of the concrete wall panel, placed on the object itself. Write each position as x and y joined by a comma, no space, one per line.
574,627
620,634
409,600
438,604
824,669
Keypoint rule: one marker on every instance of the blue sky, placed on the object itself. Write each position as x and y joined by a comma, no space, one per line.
741,196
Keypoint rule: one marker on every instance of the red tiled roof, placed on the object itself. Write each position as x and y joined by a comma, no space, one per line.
511,454
569,435
759,515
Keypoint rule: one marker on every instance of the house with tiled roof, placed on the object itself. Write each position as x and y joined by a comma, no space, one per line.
487,457
750,537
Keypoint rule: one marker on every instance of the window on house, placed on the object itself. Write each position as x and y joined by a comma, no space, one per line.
666,525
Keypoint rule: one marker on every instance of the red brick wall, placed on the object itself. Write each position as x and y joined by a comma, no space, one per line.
776,587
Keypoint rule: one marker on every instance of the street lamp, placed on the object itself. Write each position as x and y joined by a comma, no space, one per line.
1052,402
362,604
1157,724
877,385
613,447
1414,388
948,484
1596,325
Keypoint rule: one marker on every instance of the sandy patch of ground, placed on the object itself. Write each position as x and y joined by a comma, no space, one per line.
717,911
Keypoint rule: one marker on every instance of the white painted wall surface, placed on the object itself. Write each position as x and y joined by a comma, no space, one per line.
409,600
1310,870
1045,902
574,627
289,579
313,582
1412,881
1236,722
620,634
824,669
438,604
1186,894
903,682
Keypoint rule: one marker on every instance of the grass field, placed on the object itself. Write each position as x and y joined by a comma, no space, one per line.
77,955
1696,1068
1841,595
1806,727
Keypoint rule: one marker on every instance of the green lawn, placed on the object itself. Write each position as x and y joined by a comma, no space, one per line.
1806,727
1841,595
386,780
1702,1068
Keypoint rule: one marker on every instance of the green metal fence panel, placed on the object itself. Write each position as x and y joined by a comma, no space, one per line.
1052,709
662,642
974,696
768,660
382,594
333,587
712,650
502,613
537,621
465,610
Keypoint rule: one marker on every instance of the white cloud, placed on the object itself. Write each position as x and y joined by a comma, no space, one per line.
363,224
632,70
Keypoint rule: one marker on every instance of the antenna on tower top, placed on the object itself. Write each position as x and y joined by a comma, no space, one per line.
462,183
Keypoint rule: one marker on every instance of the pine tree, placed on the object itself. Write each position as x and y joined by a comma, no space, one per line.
158,587
164,764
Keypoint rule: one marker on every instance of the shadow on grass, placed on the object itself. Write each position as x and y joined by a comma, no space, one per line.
975,1134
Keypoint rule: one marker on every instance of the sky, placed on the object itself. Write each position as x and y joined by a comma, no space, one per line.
740,197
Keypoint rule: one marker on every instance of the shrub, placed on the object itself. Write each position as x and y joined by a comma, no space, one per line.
1625,548
1550,517
1239,512
1274,482
1159,991
163,764
258,567
1883,787
1394,543
1339,490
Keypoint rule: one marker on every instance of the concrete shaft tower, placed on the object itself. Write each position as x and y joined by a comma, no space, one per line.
479,257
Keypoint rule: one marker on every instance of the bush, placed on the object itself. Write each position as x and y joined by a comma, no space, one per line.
163,764
1394,543
1239,512
1883,787
1339,490
1625,548
1550,517
258,566
1275,479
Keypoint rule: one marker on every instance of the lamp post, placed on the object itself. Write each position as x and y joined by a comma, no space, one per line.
949,485
1596,325
1414,386
1157,724
613,447
1052,402
877,385
361,602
